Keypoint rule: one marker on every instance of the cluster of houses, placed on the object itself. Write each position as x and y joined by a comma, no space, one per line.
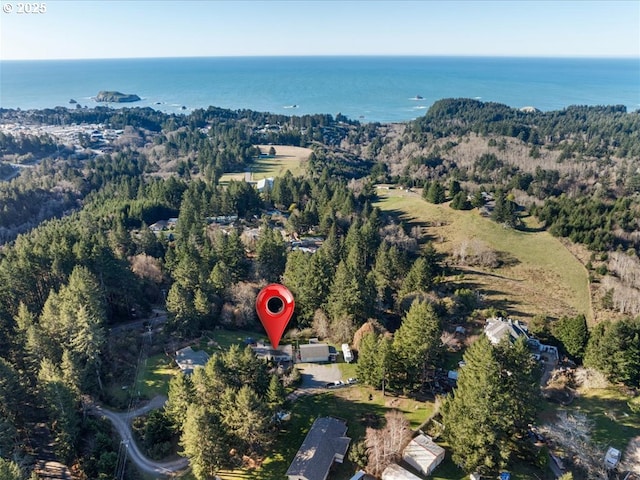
249,233
312,352
188,359
326,444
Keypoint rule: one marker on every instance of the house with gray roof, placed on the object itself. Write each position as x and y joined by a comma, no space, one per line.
498,328
314,353
325,444
188,359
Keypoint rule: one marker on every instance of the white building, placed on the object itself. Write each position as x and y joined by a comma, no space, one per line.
423,454
396,472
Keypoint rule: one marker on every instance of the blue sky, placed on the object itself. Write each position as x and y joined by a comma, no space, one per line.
158,28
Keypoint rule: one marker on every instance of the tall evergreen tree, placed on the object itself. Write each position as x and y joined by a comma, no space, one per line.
180,395
436,193
271,254
416,343
573,333
486,417
204,441
366,368
419,278
275,394
614,349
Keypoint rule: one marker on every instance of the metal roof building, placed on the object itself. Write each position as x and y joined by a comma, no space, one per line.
325,444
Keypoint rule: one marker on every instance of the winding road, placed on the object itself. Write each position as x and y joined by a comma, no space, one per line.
122,423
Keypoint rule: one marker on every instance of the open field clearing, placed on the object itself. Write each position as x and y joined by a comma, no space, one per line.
286,158
538,275
349,403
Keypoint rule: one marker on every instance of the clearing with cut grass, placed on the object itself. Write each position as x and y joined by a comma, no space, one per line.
286,158
349,403
536,275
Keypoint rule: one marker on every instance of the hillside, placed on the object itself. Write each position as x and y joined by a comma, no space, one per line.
536,275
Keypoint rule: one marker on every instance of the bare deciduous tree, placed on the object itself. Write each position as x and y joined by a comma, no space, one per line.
475,252
146,266
573,433
384,446
321,325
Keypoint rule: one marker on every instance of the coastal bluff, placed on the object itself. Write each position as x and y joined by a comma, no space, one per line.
116,97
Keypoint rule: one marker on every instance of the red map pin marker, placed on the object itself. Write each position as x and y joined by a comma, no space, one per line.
274,305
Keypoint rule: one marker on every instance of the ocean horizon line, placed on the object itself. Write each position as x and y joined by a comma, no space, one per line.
336,56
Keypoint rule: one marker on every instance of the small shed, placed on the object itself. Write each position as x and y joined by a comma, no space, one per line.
396,472
423,454
314,353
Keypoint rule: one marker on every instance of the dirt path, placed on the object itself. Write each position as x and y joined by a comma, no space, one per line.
631,456
122,424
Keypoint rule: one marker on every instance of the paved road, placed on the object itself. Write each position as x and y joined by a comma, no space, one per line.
122,424
157,318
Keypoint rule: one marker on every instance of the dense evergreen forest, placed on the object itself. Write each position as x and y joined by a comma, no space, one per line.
78,259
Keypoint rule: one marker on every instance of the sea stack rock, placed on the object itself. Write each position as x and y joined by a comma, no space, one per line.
116,97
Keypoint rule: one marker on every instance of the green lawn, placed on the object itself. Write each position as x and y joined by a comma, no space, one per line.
221,340
538,276
351,404
286,158
614,422
154,376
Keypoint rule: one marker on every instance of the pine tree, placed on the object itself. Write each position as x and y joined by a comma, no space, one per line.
436,193
614,349
181,394
366,368
384,276
245,416
204,442
486,417
271,254
574,335
416,342
275,393
346,295
220,278
419,278
454,188
460,202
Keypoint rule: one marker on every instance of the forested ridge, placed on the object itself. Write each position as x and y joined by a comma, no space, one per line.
79,257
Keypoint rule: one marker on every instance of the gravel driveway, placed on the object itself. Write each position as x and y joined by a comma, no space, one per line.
317,376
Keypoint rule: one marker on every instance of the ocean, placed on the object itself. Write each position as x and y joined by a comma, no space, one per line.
369,89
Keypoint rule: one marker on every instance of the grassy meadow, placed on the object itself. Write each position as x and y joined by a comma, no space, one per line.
286,158
538,274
